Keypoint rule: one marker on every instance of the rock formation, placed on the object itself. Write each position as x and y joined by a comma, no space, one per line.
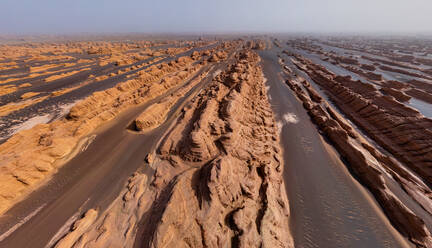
26,163
368,164
217,180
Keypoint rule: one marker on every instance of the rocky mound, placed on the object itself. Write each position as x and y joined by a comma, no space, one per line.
368,75
399,95
404,72
420,94
157,113
220,170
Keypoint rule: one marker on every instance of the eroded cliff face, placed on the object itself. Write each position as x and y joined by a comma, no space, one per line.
220,170
218,174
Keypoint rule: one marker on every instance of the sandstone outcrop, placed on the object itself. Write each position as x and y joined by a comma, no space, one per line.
157,113
399,95
217,180
27,163
420,94
220,169
369,165
217,56
118,225
404,72
400,129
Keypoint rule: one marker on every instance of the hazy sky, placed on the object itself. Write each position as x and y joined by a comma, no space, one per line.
66,16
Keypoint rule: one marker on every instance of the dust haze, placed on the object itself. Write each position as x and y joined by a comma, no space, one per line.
336,16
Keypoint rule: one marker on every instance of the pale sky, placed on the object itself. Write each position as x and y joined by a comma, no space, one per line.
210,16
